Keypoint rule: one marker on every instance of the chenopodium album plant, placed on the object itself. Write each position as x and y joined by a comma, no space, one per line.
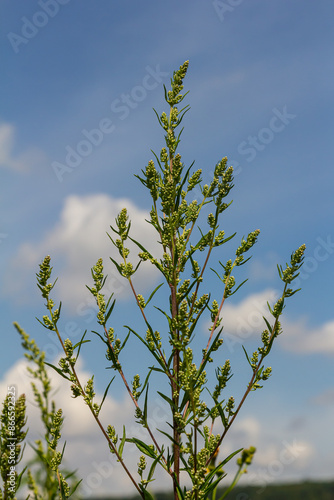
194,440
45,480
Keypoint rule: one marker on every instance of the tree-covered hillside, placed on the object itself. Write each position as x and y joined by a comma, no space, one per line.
301,491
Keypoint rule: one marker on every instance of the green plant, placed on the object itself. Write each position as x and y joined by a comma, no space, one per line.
194,440
44,480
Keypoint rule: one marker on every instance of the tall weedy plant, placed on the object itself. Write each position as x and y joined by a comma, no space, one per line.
195,416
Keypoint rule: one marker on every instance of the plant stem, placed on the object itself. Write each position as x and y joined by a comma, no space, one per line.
111,444
249,387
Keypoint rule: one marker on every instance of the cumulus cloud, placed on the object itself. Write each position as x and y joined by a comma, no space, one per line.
244,320
305,340
281,453
86,448
21,162
76,242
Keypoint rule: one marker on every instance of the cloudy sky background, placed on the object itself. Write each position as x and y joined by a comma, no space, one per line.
261,93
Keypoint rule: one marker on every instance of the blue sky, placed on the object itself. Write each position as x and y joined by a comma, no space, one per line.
261,93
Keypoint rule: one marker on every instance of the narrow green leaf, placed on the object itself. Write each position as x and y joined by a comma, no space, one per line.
268,324
106,392
153,466
82,341
166,398
142,447
75,487
147,495
216,274
153,293
108,313
102,338
167,435
121,446
234,291
145,406
250,364
58,370
118,267
125,341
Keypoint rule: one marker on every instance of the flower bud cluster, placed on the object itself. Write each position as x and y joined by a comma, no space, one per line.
113,349
57,422
89,392
196,267
141,301
223,374
174,96
112,436
43,277
141,465
153,340
122,224
135,385
247,244
246,457
194,180
219,239
229,408
229,284
55,461
99,281
200,303
290,273
183,288
265,341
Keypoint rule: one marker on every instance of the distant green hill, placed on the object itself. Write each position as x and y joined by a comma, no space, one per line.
301,491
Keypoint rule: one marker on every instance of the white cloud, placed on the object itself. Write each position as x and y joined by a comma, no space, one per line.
86,448
244,320
76,242
302,339
280,454
21,162
282,451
